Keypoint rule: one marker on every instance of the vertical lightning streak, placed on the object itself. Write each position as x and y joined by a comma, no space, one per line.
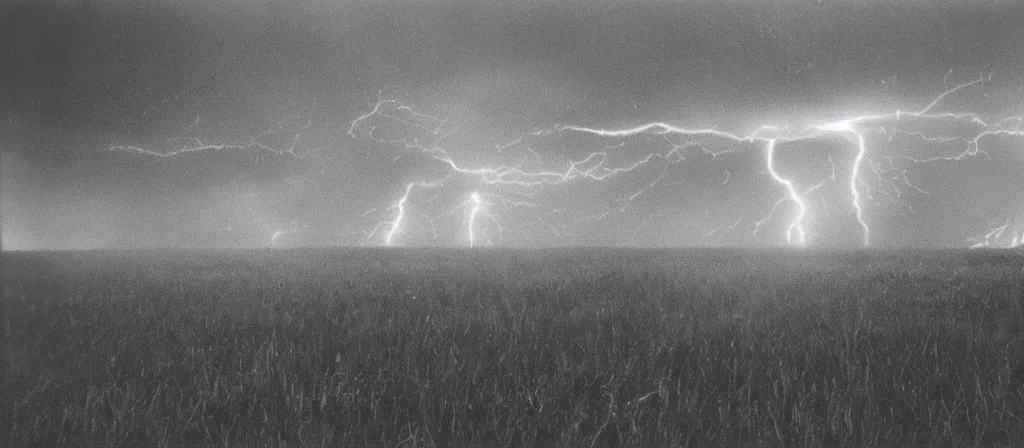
854,179
475,197
397,223
797,223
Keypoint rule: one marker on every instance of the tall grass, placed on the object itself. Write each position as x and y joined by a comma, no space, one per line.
513,348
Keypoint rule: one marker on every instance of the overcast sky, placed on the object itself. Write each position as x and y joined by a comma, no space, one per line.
99,96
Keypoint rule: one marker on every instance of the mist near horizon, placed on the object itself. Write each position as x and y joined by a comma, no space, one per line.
238,124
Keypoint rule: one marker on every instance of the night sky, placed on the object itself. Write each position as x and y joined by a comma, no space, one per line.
135,124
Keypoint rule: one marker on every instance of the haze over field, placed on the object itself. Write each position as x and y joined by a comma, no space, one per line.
457,123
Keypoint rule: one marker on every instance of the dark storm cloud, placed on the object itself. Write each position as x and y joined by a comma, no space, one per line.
81,76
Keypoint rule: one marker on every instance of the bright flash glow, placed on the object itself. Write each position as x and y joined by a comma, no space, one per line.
836,126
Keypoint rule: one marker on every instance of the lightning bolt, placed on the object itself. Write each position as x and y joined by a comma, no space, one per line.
796,225
1006,236
278,234
854,181
475,198
290,129
395,226
596,166
559,192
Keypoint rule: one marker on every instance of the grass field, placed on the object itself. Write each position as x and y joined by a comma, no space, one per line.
569,347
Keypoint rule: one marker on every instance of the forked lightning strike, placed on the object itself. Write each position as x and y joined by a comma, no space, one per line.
395,227
519,179
1006,236
796,226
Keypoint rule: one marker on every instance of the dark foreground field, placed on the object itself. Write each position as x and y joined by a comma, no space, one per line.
403,348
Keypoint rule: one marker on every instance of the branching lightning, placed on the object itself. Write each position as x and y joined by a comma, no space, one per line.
395,227
1007,236
517,180
796,225
283,137
563,180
